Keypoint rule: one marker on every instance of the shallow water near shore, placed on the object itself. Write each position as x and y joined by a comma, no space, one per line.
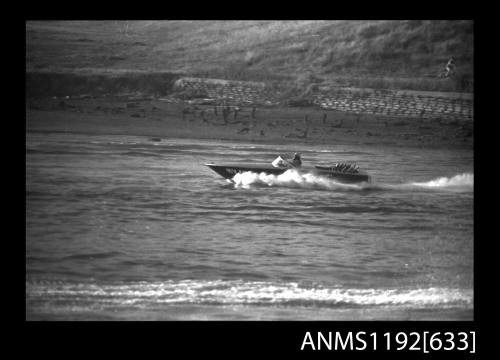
125,228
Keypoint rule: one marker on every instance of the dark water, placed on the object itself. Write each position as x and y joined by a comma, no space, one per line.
120,227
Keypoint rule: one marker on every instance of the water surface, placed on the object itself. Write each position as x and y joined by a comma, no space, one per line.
121,227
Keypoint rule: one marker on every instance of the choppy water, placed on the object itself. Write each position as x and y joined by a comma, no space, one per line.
120,227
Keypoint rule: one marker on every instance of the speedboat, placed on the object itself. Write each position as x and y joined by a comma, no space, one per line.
342,172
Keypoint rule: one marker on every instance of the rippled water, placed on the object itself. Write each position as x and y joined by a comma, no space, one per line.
121,227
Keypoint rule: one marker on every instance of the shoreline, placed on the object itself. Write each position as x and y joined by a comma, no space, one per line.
268,125
198,312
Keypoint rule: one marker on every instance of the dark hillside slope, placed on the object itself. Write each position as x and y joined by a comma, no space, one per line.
385,54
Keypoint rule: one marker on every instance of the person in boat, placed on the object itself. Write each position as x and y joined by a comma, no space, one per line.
296,161
284,162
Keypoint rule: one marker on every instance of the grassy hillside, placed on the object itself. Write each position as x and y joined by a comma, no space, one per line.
384,54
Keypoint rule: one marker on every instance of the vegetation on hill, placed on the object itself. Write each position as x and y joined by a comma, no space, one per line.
380,54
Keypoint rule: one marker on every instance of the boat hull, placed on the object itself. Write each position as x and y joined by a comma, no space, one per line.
228,171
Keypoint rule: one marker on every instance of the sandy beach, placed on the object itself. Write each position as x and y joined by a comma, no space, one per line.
161,118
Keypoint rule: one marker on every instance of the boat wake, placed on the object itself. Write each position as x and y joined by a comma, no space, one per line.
291,178
464,180
295,179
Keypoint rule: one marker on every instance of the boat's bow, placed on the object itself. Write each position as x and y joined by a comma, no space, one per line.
229,170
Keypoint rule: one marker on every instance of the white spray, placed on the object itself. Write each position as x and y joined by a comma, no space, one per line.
295,179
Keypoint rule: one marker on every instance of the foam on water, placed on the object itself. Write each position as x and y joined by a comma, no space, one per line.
295,179
464,180
243,292
292,178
